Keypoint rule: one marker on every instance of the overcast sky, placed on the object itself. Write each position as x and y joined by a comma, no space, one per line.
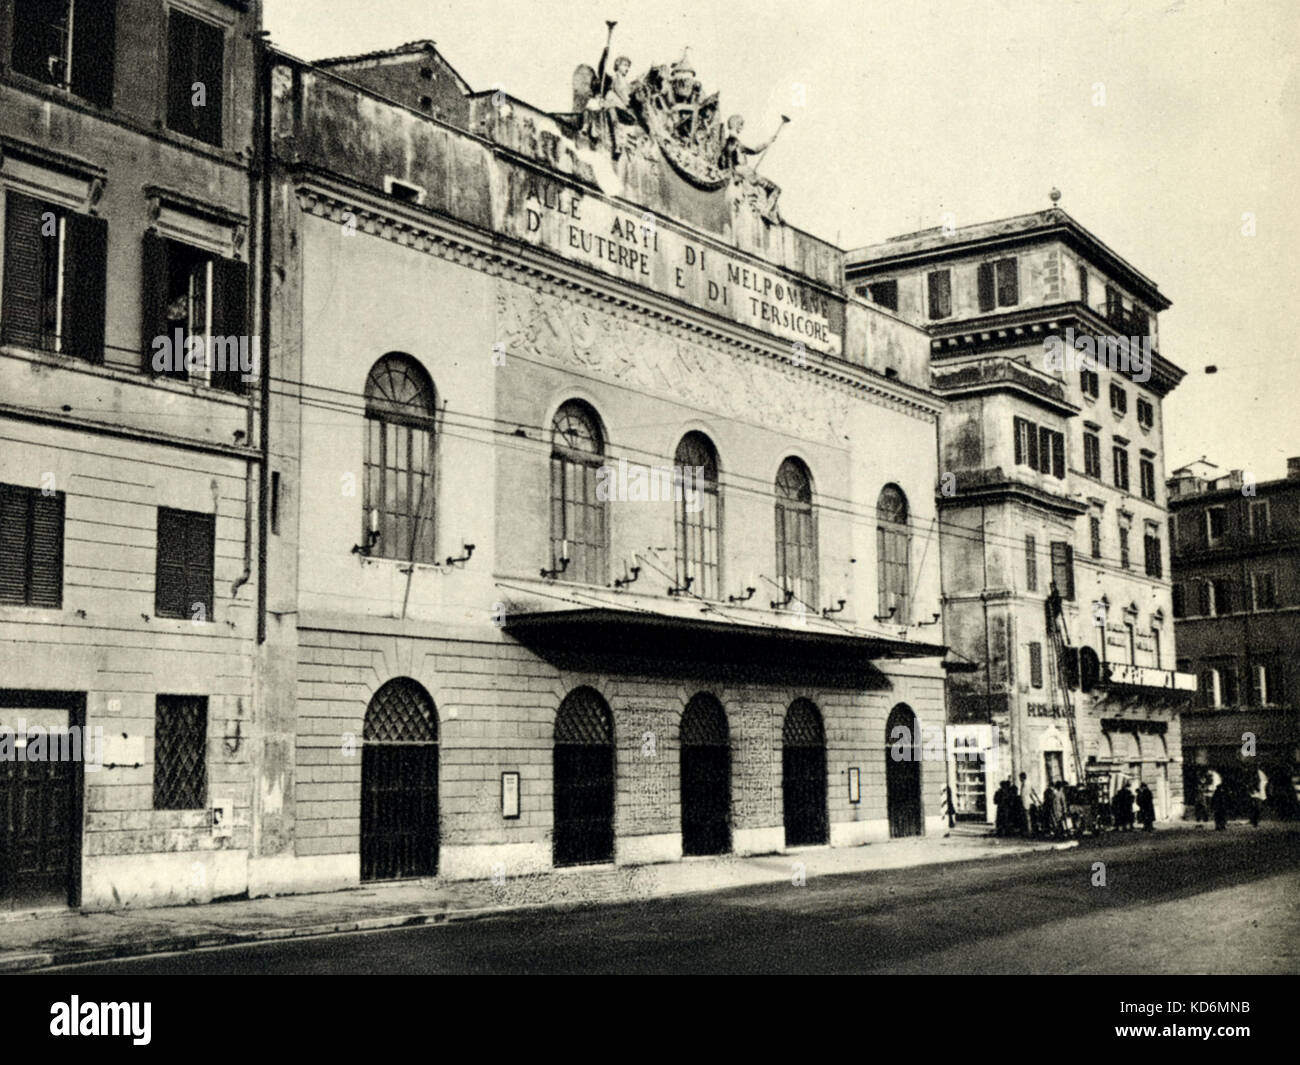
1163,122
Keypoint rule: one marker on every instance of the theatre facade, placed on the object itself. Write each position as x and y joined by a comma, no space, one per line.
601,522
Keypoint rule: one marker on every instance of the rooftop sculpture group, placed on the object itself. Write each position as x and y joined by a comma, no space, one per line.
666,108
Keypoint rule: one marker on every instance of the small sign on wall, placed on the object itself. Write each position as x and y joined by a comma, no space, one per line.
510,795
855,785
221,814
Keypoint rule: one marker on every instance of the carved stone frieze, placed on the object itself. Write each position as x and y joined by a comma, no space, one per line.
621,349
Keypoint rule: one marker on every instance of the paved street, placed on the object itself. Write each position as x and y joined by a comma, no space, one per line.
1179,902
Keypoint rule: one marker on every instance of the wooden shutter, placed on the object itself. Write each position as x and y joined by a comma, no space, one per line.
209,69
31,547
229,316
1018,426
986,292
1063,568
155,262
199,546
180,72
1008,283
940,285
46,581
1032,433
1204,598
93,47
1036,664
85,275
1058,455
13,544
24,270
169,576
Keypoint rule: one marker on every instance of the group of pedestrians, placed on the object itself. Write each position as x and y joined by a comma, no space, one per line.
1022,812
1123,804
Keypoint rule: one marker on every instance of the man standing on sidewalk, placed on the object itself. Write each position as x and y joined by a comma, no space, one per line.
1028,800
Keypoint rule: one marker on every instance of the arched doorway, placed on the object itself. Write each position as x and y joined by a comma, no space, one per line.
399,783
903,772
583,785
706,777
803,775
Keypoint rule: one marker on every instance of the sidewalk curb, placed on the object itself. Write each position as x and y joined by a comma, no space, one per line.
36,960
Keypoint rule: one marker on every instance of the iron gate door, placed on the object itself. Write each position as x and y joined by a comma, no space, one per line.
583,782
584,804
903,774
803,775
399,811
706,800
36,833
399,783
706,777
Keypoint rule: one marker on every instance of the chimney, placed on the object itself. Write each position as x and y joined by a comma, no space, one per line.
1293,468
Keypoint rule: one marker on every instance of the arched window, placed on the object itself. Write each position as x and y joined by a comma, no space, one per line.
796,535
696,498
579,529
893,548
400,406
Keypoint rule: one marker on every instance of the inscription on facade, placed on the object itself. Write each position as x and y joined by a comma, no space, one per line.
651,252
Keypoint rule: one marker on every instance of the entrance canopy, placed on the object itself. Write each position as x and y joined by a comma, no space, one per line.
640,633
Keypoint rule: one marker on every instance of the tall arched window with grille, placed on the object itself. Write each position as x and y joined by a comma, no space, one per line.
698,510
399,489
893,551
579,524
796,532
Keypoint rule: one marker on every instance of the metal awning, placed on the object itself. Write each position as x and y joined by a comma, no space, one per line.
605,634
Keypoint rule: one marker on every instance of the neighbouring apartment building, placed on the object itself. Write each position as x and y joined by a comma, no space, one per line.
1236,572
605,524
1051,501
127,474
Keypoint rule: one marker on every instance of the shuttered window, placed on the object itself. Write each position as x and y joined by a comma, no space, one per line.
940,286
1092,455
188,293
1063,568
69,43
1031,563
55,274
195,77
180,760
31,547
1036,665
186,545
1008,282
1151,555
1147,477
1120,455
986,290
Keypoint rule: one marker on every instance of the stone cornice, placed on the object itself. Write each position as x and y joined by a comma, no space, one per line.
331,198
